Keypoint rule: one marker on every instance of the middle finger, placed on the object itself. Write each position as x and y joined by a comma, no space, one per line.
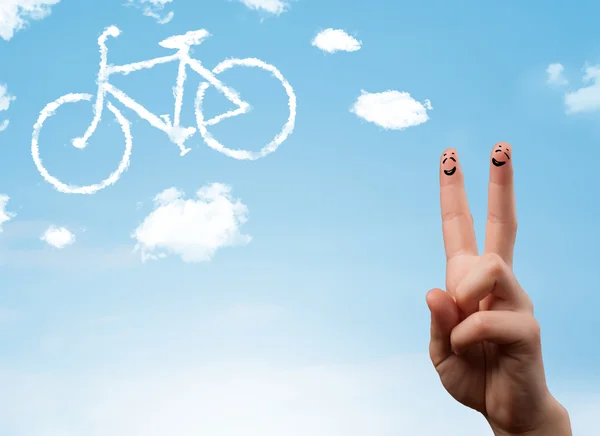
501,228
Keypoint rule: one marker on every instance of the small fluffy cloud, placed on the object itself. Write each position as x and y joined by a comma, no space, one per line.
332,40
58,237
4,214
154,8
15,14
193,229
272,6
587,98
393,110
555,75
5,100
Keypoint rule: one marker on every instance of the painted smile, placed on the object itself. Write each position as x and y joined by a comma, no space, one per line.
450,172
500,163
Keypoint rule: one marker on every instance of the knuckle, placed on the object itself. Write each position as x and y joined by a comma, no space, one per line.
480,323
528,304
534,331
509,225
509,221
494,264
453,214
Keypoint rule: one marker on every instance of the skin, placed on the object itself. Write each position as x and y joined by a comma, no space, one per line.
449,162
501,154
485,342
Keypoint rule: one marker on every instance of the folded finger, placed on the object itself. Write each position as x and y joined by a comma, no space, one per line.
491,276
508,328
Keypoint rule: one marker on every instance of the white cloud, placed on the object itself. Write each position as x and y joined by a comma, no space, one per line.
153,9
4,214
332,40
14,14
272,6
192,229
391,109
555,75
58,237
585,99
5,100
396,396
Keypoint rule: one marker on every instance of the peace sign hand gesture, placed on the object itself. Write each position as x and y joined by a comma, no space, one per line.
485,342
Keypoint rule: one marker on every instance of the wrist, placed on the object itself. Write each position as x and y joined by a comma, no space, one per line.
552,421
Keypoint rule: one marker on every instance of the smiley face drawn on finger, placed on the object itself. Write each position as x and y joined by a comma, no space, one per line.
449,163
501,154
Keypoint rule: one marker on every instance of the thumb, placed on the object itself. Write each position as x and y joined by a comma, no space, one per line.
444,317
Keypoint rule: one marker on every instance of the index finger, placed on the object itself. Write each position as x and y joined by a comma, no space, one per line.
457,222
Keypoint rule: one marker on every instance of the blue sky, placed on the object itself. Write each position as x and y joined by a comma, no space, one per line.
309,317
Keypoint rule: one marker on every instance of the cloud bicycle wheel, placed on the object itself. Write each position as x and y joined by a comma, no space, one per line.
48,112
277,140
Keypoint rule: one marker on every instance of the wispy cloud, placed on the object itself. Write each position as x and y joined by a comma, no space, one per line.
15,14
154,9
333,40
193,229
58,237
5,100
393,110
4,214
587,98
271,6
555,75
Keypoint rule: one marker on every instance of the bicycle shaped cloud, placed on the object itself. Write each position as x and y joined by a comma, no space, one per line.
177,133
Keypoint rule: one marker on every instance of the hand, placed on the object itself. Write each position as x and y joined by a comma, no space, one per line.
485,342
